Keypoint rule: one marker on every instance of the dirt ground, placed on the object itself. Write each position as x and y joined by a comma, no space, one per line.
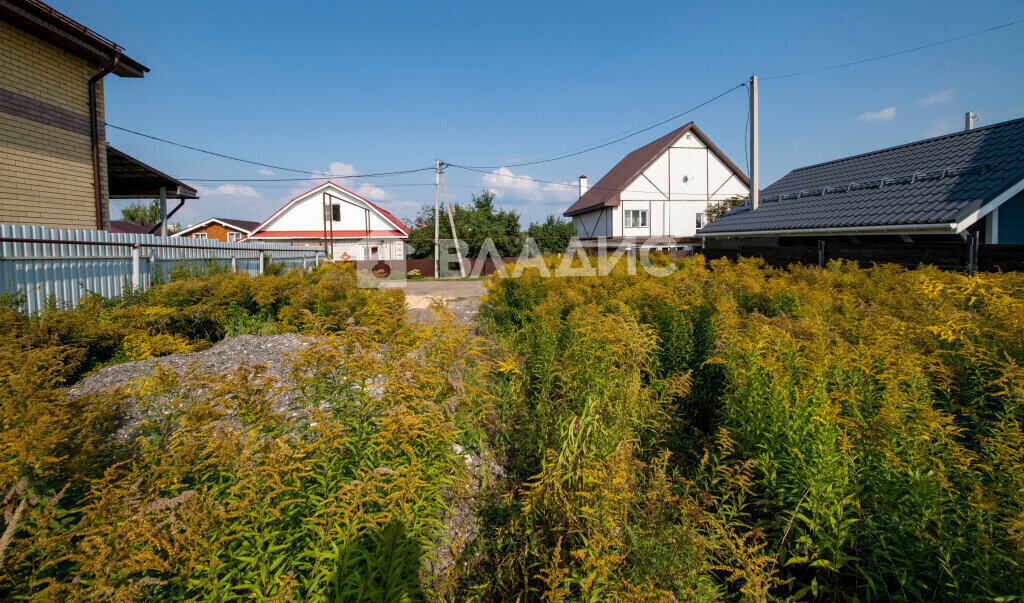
462,297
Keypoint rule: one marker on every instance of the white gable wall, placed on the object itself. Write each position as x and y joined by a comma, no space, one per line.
308,213
303,219
683,182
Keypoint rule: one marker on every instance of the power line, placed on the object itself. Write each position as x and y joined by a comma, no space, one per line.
893,54
267,165
605,144
310,178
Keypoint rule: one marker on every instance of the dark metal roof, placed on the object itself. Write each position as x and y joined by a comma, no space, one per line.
43,21
606,192
246,225
935,181
129,178
125,226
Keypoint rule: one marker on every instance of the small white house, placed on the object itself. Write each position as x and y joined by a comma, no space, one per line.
345,225
660,192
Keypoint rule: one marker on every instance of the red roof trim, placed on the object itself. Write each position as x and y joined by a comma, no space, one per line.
319,234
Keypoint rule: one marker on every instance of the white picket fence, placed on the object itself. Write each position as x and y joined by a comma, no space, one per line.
67,264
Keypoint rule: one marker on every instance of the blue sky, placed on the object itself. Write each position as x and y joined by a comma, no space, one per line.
379,86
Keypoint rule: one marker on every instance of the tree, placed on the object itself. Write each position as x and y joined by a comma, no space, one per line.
721,208
474,223
146,213
552,235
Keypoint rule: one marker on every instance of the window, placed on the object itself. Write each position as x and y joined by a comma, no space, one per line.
700,220
336,212
636,218
199,235
234,236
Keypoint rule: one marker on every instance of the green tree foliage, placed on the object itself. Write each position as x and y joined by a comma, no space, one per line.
717,210
552,235
146,213
474,222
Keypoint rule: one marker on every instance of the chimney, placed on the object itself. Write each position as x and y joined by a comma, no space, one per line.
969,118
583,184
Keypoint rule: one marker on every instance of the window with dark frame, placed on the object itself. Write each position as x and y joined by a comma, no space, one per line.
336,212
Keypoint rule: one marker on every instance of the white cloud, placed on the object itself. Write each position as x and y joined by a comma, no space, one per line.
369,191
235,190
338,168
939,97
884,115
507,185
266,172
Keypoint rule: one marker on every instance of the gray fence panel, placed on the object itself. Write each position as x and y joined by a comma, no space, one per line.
67,264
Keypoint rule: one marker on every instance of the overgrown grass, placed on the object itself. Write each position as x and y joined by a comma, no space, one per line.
223,490
730,431
740,430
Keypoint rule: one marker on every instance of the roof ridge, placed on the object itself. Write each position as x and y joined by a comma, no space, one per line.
909,144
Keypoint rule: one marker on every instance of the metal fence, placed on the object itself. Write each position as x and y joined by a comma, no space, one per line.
67,264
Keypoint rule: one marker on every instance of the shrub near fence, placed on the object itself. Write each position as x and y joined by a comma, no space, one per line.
67,264
948,256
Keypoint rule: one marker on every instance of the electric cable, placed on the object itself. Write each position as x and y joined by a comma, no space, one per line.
892,54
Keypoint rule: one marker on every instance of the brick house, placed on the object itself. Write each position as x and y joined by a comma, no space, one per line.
53,153
227,230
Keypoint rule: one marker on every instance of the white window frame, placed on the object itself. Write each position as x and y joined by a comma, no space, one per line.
199,235
700,220
233,237
640,216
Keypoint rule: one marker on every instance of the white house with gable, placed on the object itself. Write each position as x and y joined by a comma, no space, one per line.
660,192
345,225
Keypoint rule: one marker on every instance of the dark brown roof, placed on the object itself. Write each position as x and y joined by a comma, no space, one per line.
246,225
123,226
606,192
44,22
129,178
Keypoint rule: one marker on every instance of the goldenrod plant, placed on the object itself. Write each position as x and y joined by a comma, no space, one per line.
727,431
840,432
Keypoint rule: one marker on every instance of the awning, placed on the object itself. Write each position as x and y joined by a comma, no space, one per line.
129,178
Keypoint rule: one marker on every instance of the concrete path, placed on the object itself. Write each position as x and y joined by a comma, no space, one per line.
461,297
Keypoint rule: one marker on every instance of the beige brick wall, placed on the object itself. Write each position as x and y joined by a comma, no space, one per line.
39,70
45,171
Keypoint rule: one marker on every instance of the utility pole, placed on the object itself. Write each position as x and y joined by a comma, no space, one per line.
755,192
437,208
451,222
